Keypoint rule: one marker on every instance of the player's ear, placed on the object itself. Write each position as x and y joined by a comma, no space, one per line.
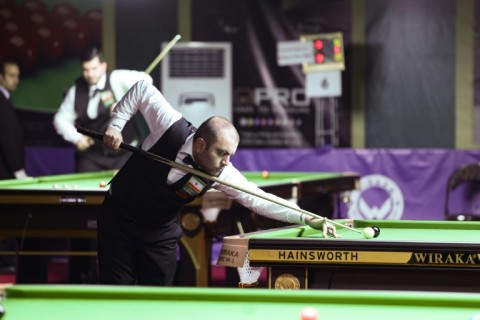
200,144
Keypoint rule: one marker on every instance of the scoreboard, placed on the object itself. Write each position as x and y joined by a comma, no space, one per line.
327,50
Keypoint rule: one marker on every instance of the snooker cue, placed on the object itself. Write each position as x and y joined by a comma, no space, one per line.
268,197
162,53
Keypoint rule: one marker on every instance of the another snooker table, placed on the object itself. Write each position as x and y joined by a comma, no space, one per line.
407,255
66,206
102,302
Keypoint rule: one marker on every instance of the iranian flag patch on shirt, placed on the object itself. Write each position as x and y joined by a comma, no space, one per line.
192,188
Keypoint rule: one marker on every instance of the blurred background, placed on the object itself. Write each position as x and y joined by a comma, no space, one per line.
406,117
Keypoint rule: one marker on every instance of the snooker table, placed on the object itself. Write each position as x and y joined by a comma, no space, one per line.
66,206
407,255
24,302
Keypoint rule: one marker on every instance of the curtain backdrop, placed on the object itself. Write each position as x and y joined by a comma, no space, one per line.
410,73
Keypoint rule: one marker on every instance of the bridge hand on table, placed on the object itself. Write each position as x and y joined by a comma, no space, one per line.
322,224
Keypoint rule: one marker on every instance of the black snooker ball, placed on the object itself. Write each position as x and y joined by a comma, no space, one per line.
377,231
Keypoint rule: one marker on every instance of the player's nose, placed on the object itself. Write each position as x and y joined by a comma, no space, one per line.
225,161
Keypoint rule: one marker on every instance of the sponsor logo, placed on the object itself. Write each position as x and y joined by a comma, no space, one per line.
379,198
457,258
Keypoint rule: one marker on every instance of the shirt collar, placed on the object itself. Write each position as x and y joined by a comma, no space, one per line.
5,92
187,147
100,84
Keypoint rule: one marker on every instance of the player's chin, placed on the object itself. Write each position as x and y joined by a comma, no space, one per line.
216,173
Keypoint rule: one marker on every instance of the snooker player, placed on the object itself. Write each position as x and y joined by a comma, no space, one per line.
137,229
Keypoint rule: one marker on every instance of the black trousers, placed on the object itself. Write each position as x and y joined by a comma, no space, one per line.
132,253
84,269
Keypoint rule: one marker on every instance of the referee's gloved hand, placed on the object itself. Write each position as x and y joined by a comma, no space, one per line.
322,224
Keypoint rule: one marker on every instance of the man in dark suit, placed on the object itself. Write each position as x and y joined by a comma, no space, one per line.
12,152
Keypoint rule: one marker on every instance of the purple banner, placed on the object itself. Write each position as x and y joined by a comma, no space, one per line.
47,161
408,184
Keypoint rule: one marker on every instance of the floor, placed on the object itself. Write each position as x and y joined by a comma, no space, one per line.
58,274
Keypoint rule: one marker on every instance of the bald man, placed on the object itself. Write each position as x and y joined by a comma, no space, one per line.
137,229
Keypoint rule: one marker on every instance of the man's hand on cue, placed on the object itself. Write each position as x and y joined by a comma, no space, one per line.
322,224
112,138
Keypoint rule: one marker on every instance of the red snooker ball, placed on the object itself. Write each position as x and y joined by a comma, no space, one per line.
103,184
265,174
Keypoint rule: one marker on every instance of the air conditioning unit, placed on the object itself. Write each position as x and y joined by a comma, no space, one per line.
196,78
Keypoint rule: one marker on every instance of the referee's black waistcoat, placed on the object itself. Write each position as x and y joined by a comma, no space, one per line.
140,187
100,123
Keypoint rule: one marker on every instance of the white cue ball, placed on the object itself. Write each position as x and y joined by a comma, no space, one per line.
368,233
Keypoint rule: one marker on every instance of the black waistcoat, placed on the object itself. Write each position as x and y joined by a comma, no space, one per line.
100,123
140,187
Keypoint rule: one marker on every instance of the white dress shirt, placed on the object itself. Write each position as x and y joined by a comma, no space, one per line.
120,82
5,92
159,116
